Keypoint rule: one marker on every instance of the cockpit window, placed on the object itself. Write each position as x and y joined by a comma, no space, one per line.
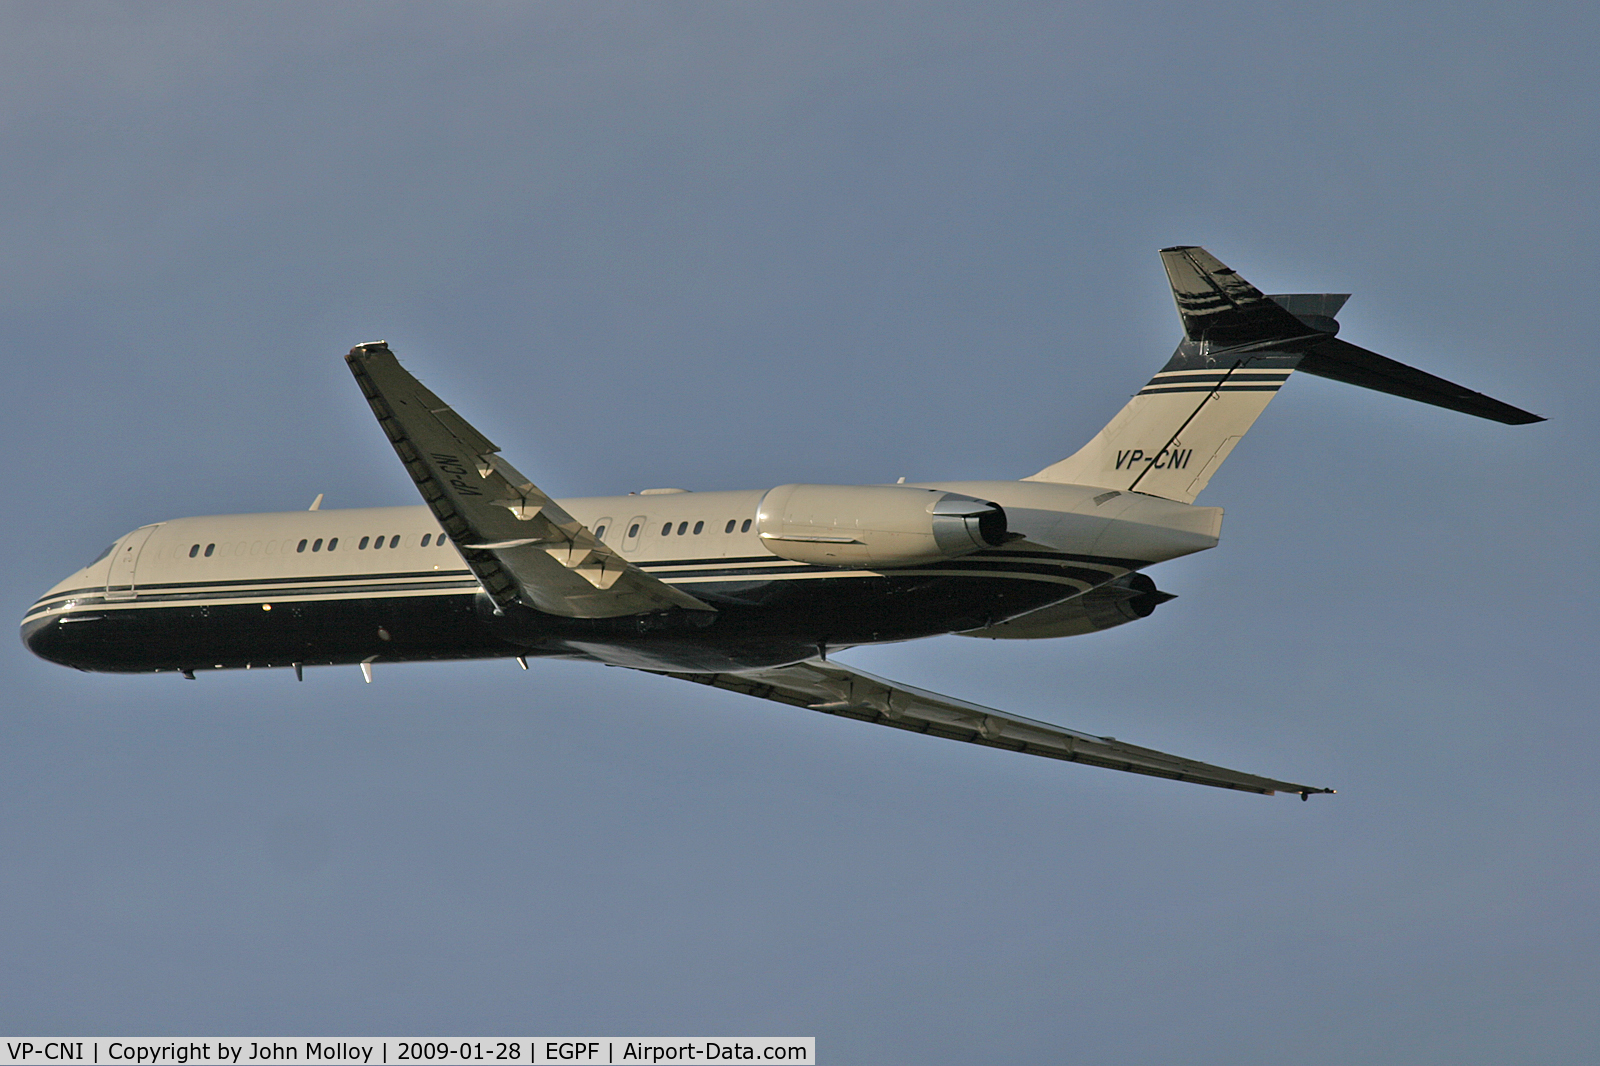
103,554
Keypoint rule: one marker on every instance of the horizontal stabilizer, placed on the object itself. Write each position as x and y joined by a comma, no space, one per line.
1220,309
1354,365
1239,347
1316,309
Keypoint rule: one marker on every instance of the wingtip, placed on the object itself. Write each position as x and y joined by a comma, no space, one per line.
1304,792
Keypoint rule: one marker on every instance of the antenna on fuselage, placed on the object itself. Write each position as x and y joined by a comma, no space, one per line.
316,504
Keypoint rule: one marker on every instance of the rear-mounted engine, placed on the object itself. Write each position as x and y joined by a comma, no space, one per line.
876,525
1127,599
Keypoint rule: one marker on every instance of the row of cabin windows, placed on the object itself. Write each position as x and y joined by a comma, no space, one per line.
394,541
683,527
333,544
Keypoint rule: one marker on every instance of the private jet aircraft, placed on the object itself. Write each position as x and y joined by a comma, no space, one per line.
748,591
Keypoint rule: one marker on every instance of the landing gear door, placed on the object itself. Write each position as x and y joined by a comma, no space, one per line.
124,561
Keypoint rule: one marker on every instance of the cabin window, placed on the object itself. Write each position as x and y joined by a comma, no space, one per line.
681,527
744,527
332,544
427,538
301,548
192,553
698,527
730,526
363,545
666,529
394,541
212,547
376,544
633,531
316,547
600,533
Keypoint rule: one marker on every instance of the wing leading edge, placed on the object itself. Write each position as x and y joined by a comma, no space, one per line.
835,689
522,546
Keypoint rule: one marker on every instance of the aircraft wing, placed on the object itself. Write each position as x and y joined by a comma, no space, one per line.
835,689
520,544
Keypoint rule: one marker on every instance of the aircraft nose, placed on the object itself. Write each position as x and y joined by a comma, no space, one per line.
34,637
42,637
43,632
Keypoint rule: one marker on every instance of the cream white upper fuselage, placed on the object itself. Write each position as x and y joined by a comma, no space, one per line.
1072,539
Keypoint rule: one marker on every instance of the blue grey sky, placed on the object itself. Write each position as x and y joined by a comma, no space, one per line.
737,245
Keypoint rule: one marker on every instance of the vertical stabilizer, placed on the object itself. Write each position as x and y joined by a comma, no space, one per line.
1239,347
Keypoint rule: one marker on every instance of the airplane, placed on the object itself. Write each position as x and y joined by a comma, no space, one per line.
748,591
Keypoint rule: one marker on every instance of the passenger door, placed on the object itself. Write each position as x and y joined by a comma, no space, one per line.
124,561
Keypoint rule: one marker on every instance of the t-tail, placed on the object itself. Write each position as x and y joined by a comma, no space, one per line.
1239,347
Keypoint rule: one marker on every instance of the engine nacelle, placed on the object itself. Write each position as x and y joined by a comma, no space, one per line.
1127,599
857,526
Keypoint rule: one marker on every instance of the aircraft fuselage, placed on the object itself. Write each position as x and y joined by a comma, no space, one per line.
386,585
743,591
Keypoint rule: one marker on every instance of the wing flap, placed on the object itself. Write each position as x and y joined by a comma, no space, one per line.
522,546
834,689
